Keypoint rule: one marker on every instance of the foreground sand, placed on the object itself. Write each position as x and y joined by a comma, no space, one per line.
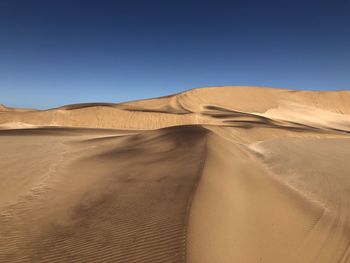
230,174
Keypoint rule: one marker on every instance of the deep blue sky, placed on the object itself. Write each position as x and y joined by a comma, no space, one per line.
58,52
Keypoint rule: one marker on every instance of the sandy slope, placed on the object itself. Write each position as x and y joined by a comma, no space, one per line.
236,174
119,198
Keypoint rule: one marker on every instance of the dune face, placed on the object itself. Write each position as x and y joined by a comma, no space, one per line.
221,174
126,201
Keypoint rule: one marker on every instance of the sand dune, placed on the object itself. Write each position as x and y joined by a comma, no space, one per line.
190,108
220,174
98,199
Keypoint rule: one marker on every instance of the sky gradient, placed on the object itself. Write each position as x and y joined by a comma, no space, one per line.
60,52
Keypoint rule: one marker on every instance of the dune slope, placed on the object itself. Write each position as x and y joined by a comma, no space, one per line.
124,198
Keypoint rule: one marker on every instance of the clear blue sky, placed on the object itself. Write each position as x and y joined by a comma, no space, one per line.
58,52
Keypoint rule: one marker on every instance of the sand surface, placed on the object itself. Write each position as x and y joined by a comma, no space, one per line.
220,174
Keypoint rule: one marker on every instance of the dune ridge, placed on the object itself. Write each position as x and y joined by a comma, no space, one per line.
218,174
187,108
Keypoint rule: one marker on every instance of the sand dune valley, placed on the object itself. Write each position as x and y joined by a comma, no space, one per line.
218,174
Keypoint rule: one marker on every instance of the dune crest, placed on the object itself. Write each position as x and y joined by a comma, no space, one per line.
198,106
218,174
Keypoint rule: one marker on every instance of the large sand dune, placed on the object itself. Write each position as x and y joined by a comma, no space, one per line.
220,174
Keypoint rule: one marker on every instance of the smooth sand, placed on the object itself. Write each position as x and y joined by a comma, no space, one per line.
220,174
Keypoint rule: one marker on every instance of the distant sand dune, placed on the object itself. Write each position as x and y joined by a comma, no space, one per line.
322,109
219,174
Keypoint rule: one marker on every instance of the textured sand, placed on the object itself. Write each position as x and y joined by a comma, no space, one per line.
220,174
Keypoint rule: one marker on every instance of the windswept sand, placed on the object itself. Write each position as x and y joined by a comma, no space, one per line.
220,174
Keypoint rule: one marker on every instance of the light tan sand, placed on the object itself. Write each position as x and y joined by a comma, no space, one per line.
237,174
